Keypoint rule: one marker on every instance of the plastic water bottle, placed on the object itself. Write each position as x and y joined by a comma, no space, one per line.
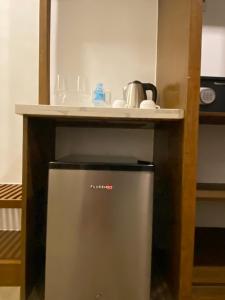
99,95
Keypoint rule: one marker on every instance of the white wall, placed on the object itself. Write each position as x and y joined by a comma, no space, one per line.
211,163
18,78
213,39
113,42
107,41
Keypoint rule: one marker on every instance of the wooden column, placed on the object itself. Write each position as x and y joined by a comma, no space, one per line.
38,150
44,52
178,81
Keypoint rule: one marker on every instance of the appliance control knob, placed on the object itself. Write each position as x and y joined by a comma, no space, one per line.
207,95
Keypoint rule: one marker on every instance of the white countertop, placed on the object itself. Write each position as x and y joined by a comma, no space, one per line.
99,112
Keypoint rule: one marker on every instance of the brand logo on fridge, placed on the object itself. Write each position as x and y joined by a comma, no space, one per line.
107,187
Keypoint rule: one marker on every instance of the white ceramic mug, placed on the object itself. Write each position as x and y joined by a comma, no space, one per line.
149,104
119,104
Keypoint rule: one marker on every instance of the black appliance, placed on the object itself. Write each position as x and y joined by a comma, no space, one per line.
212,94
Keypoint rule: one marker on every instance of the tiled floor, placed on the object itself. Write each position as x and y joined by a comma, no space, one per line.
9,293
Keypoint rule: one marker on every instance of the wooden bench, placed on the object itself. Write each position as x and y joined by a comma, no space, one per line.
10,241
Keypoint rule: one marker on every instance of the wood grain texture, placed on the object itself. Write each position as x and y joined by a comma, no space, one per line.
211,192
208,293
44,51
10,245
10,258
209,247
10,241
10,272
10,195
209,275
178,80
216,118
38,150
209,256
167,186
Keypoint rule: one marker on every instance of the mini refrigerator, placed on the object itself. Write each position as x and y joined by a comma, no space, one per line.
99,231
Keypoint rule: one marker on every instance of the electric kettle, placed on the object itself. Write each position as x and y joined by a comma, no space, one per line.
135,92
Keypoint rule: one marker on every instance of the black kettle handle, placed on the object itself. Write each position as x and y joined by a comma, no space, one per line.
151,87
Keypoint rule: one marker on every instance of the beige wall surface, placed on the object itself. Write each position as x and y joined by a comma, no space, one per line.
113,42
18,78
213,39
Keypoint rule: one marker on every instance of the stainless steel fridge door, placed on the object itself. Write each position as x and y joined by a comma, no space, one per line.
99,235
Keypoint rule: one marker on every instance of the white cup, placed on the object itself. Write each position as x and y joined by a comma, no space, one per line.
149,104
119,104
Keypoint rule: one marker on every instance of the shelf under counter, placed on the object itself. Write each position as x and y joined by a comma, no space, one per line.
209,262
129,115
215,292
210,192
213,118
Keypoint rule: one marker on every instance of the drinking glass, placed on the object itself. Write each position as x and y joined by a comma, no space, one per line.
60,90
83,91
